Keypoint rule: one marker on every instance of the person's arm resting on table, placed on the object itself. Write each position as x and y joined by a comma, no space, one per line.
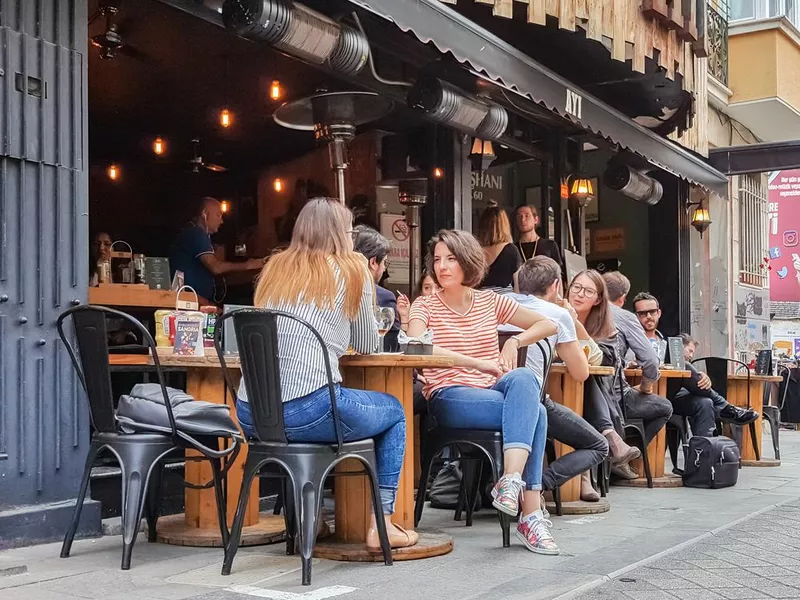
642,350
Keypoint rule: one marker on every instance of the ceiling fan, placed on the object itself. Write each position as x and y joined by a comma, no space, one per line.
111,43
197,161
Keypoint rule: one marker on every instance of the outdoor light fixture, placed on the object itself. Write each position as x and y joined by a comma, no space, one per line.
158,147
277,185
701,217
445,103
225,206
634,184
582,191
298,31
482,154
275,90
113,172
225,117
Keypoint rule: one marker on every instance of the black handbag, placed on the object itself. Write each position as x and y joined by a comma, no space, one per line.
711,462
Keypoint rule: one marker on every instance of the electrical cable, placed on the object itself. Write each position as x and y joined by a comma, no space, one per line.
372,64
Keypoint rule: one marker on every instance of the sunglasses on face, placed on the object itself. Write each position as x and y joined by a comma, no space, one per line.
578,289
653,312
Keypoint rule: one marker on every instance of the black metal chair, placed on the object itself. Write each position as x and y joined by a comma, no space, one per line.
772,413
717,370
636,427
141,455
306,465
485,444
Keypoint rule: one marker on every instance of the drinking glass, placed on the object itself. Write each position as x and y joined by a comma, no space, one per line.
384,319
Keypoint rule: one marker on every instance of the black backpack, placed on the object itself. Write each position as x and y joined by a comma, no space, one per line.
711,462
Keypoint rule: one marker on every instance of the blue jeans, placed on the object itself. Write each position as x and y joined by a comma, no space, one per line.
511,406
363,414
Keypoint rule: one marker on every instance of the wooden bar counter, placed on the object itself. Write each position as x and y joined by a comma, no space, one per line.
135,296
657,448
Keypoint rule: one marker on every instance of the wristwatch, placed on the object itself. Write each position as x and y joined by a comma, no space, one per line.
516,339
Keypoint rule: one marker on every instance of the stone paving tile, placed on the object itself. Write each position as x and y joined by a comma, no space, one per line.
783,591
649,595
740,593
696,594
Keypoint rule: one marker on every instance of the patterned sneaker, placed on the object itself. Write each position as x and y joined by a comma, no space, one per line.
507,493
534,532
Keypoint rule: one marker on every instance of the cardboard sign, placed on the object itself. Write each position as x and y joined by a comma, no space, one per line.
608,240
156,273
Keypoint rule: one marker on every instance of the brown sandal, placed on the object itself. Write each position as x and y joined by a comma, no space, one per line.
409,538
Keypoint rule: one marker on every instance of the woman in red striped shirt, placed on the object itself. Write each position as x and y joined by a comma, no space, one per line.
485,390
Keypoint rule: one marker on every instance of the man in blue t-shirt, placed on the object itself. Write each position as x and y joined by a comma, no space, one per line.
193,253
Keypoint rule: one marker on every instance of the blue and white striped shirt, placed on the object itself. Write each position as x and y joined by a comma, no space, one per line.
300,354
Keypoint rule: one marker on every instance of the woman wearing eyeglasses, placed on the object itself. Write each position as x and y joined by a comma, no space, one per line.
588,296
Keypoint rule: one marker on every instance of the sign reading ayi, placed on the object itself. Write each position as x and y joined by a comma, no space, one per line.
784,240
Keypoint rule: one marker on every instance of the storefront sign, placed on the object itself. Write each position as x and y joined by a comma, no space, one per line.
608,240
395,229
784,242
574,104
488,186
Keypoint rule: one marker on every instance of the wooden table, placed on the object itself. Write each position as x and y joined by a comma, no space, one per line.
391,373
657,448
737,395
568,392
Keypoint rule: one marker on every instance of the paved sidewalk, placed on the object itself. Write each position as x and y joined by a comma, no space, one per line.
758,558
642,524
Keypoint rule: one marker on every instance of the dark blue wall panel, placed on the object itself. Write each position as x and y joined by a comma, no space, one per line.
43,260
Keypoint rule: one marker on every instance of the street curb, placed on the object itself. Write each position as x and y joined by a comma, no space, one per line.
572,594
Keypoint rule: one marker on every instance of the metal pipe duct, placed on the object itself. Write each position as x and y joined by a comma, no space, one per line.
298,31
634,184
445,103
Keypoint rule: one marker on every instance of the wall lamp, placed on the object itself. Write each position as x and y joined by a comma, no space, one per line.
701,217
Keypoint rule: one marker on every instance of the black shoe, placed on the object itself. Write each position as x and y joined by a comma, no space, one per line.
738,416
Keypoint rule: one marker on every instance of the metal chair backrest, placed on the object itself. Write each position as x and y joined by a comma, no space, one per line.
717,370
91,360
783,388
547,362
259,355
522,353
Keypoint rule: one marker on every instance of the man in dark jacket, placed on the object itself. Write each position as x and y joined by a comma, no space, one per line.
375,248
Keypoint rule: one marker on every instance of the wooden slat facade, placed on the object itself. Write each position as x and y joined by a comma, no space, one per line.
665,30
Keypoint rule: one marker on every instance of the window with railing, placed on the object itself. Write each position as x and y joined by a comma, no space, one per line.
744,10
753,230
717,35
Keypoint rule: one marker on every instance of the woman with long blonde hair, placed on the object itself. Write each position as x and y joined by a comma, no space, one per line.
502,257
322,280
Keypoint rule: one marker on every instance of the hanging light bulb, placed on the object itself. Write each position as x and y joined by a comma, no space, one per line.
113,172
225,117
275,90
225,206
277,185
159,147
438,173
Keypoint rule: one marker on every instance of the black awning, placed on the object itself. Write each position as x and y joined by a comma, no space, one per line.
756,158
431,21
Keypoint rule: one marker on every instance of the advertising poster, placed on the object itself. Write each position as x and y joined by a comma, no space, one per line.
784,245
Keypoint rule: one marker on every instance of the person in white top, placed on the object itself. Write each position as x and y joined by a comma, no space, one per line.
537,285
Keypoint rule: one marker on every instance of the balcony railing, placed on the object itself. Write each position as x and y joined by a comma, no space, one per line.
717,34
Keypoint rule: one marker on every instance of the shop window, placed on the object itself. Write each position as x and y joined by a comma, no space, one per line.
753,230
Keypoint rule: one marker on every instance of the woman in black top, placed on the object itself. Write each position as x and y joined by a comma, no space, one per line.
530,244
494,235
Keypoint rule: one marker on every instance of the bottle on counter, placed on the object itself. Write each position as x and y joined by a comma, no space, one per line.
103,271
139,275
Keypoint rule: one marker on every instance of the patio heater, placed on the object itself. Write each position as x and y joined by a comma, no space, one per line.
333,117
413,194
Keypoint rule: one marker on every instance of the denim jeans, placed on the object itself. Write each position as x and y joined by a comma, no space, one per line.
700,410
511,406
363,414
654,410
589,447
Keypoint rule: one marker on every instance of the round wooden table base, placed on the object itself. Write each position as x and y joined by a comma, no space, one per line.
669,480
174,530
429,545
764,462
579,507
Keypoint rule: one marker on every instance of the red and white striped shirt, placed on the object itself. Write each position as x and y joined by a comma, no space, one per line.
472,334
